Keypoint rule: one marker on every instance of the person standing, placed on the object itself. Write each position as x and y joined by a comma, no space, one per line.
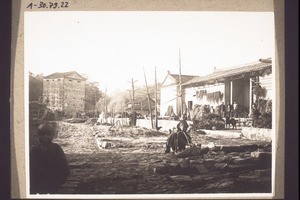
222,109
229,109
235,109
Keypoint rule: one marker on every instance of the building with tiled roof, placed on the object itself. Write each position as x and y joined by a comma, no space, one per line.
234,84
64,92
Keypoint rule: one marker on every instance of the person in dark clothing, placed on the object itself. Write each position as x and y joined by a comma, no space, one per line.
182,125
229,110
255,115
48,164
178,139
222,109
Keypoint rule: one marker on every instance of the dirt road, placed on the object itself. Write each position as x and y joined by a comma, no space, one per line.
134,162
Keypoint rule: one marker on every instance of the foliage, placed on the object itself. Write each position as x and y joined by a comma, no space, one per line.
265,106
199,111
92,96
264,120
210,121
259,91
35,87
36,109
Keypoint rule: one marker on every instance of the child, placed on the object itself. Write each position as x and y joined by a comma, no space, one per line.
48,164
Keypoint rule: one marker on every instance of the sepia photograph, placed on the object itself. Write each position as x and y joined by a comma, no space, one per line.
149,104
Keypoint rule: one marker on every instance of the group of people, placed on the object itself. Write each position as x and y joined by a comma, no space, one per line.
229,110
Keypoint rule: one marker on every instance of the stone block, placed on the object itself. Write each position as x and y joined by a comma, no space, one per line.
220,165
201,169
241,167
242,160
181,178
184,162
161,169
193,151
261,134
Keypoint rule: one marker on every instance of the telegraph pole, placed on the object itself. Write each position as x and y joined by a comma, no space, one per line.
132,86
155,100
180,86
149,102
105,105
132,83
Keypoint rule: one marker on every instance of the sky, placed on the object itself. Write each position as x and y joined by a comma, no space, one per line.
113,47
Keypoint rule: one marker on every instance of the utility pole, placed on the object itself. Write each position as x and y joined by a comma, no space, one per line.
149,102
180,86
132,86
155,99
105,105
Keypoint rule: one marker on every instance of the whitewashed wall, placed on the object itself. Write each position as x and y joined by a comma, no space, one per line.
191,92
168,97
266,82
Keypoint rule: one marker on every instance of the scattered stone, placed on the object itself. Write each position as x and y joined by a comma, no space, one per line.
261,155
189,152
211,145
201,169
184,162
241,167
161,169
106,145
220,165
181,178
77,165
242,160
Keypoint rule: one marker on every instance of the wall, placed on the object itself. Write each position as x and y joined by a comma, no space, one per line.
190,93
64,95
165,124
53,91
266,82
74,94
168,96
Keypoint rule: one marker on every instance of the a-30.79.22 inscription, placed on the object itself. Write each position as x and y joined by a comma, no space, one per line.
48,5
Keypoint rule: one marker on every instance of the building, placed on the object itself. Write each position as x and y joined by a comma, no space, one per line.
170,92
141,105
64,92
230,84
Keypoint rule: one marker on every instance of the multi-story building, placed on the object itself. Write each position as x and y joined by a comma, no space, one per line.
64,92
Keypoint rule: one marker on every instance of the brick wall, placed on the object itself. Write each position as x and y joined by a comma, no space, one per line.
53,91
74,94
64,94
